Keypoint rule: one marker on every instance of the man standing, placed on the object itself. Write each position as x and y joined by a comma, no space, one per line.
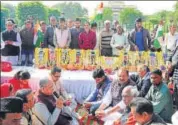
75,34
171,39
62,35
94,100
119,41
115,23
49,35
39,36
69,24
160,96
10,43
140,38
27,36
11,109
105,40
87,38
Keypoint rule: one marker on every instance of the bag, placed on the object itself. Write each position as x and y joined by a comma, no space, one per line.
6,67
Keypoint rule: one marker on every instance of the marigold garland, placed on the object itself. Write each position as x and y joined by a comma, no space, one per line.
89,59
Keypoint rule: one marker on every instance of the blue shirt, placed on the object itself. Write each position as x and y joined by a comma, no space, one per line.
139,41
93,96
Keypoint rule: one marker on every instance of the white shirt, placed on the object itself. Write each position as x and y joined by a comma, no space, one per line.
170,41
118,40
108,99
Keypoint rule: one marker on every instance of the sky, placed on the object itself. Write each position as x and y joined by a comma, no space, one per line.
146,7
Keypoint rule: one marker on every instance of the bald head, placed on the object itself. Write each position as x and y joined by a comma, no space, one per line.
128,94
130,90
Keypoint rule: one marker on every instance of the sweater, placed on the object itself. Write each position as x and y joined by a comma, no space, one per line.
87,40
105,39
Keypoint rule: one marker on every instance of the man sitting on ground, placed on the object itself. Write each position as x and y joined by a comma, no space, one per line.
11,111
60,91
160,96
142,79
94,100
48,109
28,102
113,96
142,110
128,93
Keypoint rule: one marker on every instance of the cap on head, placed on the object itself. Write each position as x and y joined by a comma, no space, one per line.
11,105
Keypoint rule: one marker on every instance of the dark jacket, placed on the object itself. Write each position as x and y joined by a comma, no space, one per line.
48,37
75,37
143,85
146,38
27,37
156,120
50,101
10,50
97,95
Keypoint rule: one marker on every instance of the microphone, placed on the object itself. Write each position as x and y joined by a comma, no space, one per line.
57,96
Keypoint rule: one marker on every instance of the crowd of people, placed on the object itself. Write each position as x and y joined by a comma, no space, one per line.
145,98
18,45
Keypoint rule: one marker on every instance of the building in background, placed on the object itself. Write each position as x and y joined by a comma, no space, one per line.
116,7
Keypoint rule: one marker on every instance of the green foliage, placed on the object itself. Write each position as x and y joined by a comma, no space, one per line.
107,14
53,12
35,9
176,12
148,25
4,16
128,16
71,10
11,9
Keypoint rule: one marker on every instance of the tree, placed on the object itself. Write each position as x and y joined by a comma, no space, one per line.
107,14
11,9
71,10
53,12
4,16
35,9
128,16
176,12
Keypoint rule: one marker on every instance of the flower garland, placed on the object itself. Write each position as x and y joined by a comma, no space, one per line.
90,59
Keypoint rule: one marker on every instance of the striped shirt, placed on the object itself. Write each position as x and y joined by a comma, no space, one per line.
105,38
